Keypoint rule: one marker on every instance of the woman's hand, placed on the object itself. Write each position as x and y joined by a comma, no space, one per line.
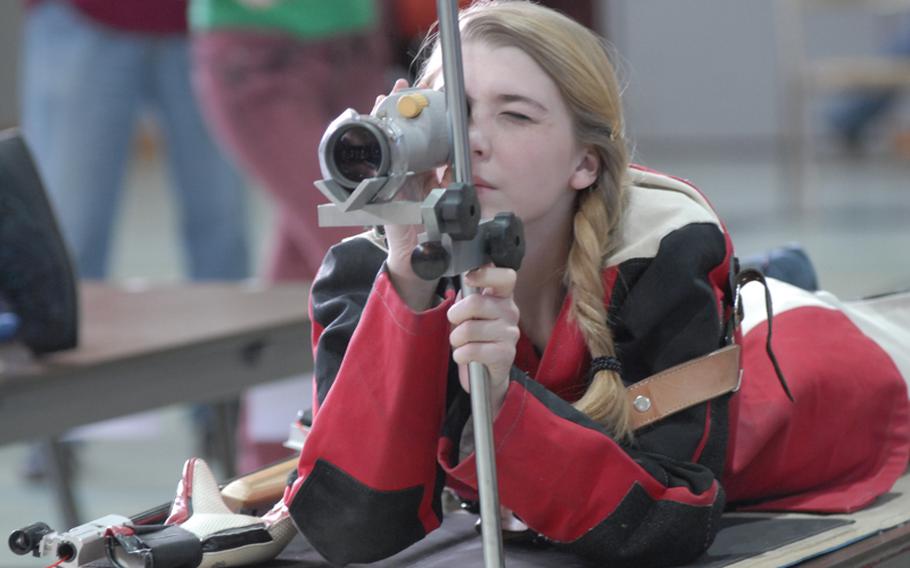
402,239
485,329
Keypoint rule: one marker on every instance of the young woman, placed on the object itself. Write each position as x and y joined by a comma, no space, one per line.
625,267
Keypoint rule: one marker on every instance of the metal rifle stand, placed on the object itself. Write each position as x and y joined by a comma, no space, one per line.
453,74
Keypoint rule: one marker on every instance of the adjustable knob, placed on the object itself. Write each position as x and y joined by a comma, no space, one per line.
430,260
410,106
505,240
458,212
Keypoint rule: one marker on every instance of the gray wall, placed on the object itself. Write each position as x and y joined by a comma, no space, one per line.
707,70
9,50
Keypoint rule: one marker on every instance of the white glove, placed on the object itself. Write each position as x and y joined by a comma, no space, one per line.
201,532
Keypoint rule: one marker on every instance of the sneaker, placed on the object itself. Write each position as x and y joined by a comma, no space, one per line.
788,264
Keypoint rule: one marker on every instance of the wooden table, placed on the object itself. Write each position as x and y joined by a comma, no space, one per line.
142,348
890,548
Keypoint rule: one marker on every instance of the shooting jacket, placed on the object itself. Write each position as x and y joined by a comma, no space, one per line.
390,411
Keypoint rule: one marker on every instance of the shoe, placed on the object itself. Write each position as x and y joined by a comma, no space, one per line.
788,263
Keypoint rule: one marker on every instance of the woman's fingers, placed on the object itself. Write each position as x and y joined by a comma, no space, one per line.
485,328
483,307
489,316
493,280
483,331
496,356
400,84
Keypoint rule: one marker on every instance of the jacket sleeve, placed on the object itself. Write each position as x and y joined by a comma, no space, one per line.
368,483
657,501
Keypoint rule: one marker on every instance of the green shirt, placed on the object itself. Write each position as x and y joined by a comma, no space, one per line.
309,19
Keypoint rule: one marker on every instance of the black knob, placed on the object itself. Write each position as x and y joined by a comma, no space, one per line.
27,540
505,241
430,260
458,212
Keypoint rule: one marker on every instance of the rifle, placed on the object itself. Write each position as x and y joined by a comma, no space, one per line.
251,493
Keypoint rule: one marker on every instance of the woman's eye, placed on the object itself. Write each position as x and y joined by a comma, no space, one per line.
517,116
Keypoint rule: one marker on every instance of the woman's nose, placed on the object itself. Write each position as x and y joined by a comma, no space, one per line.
478,141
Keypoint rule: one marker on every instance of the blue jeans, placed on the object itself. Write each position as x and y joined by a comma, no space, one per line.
83,87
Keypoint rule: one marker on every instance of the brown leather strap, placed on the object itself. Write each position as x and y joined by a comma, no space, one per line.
684,386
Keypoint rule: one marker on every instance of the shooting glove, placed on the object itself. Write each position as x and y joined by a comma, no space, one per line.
200,532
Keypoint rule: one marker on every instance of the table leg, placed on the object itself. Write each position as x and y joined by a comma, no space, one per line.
225,433
61,481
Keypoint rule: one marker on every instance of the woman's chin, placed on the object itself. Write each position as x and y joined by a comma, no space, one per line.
490,204
488,212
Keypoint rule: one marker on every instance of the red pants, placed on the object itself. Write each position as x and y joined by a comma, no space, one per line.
269,97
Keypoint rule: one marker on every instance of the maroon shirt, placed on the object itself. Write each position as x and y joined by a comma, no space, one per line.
144,16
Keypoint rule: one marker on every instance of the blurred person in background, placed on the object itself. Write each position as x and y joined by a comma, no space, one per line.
853,114
90,70
270,76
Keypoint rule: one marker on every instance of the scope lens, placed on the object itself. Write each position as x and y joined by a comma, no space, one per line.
357,154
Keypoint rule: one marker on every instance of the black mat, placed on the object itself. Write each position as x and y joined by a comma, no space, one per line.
456,543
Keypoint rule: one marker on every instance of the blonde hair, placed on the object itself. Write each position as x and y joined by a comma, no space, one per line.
579,63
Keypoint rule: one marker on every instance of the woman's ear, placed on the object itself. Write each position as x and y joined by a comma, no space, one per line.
586,170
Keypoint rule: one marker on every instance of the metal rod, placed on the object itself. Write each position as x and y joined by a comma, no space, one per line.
487,487
453,75
456,104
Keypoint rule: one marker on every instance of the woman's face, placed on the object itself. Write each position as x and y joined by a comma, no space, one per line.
524,154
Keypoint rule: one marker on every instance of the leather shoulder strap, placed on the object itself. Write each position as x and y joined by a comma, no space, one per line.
684,385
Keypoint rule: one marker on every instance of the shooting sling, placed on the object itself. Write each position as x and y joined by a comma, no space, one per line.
699,380
684,385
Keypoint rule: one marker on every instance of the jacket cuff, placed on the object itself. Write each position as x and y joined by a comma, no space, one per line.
400,310
504,423
561,502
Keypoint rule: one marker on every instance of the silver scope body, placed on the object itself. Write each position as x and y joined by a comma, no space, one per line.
406,133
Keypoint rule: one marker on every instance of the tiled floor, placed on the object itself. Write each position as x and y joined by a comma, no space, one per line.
857,232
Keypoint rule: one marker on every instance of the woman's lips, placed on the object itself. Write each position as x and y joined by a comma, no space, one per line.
480,183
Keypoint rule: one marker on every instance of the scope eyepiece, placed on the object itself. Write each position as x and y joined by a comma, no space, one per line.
366,158
27,539
357,150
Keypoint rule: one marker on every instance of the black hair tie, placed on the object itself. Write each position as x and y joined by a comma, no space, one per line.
605,364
